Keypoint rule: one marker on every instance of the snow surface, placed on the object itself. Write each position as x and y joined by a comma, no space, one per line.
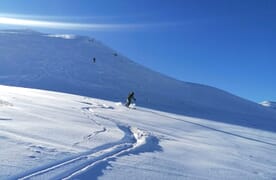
65,64
269,104
64,36
195,131
51,135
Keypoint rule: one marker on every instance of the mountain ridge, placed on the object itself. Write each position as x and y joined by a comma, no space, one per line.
64,63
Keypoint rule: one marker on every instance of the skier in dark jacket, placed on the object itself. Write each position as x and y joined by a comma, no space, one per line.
130,98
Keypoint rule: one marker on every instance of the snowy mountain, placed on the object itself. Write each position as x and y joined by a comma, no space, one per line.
50,135
64,63
269,104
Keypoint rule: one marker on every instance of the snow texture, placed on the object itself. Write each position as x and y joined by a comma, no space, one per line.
195,131
50,135
64,63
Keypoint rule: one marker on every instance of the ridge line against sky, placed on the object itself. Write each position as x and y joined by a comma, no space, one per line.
227,44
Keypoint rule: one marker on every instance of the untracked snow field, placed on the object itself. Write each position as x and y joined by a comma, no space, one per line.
50,135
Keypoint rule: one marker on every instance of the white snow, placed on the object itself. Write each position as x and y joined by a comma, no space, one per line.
50,135
64,36
35,60
195,131
269,104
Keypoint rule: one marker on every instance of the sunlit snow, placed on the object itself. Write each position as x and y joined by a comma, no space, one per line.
176,130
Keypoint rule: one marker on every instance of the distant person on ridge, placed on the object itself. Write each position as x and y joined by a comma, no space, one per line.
130,98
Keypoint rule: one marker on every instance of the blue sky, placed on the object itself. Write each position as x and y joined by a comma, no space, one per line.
229,44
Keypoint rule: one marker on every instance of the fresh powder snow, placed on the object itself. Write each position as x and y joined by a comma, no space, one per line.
78,128
50,135
64,63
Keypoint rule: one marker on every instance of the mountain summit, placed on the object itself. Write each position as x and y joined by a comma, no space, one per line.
84,66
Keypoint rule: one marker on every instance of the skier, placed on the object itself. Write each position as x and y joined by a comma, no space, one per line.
94,60
130,98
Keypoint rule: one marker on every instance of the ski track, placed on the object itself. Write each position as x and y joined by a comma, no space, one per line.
87,112
133,138
90,136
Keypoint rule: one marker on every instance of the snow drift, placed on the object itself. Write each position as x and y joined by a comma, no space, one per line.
64,63
269,104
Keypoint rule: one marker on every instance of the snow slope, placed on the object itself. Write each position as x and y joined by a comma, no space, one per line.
64,63
50,135
269,104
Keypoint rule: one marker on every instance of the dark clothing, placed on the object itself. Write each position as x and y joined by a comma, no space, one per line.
130,98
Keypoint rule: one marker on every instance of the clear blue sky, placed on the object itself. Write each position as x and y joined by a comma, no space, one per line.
229,44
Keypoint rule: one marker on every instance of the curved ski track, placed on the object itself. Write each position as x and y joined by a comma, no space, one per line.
133,138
